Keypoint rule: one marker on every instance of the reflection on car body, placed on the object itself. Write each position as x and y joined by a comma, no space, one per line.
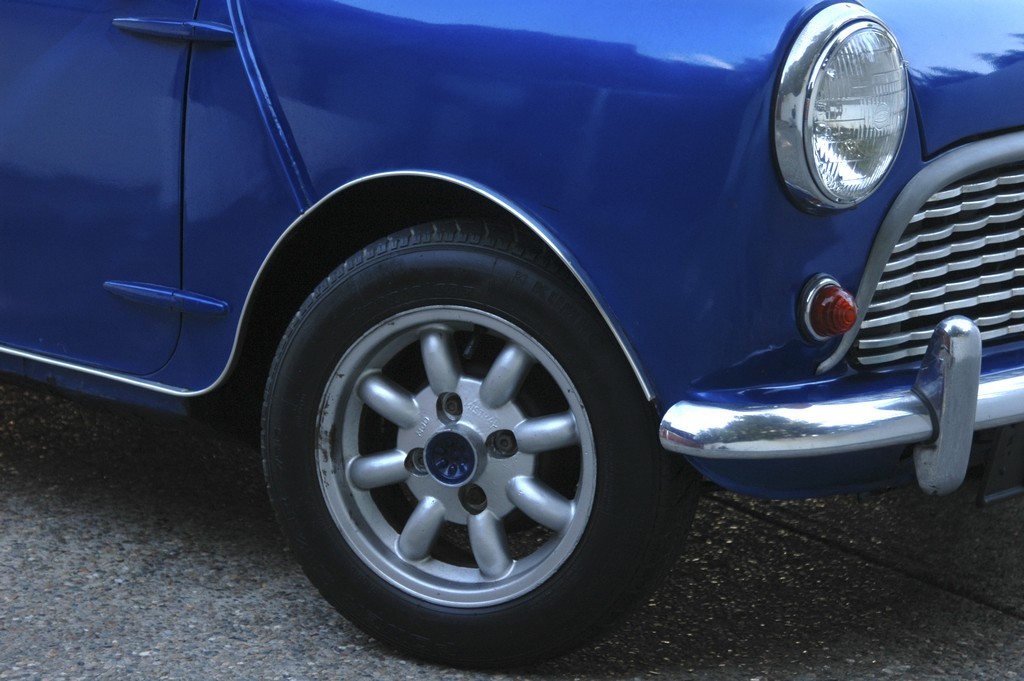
466,271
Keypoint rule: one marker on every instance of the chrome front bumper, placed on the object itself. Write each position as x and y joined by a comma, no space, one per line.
939,415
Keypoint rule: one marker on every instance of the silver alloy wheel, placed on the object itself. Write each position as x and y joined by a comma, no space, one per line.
462,485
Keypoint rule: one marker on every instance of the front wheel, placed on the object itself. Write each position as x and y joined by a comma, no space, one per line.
460,457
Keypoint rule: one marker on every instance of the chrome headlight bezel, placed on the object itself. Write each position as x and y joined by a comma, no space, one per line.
826,33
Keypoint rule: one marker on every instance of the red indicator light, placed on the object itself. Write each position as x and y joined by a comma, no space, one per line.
832,311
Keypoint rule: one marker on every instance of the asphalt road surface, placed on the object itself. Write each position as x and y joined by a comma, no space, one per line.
137,551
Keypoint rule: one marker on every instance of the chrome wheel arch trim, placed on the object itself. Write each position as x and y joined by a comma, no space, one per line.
533,225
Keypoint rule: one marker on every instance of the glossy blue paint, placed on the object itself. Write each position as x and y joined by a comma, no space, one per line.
270,110
966,63
561,125
800,478
636,139
239,200
91,120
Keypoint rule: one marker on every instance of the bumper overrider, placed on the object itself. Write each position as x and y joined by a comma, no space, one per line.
938,415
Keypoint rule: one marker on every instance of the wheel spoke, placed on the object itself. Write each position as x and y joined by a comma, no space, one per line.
544,505
546,433
505,376
440,360
389,399
489,544
421,530
378,470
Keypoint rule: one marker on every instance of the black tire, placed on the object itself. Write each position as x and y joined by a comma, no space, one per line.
461,458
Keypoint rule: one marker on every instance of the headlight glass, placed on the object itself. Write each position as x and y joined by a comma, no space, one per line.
857,113
841,108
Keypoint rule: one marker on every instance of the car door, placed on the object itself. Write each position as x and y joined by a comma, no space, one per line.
91,119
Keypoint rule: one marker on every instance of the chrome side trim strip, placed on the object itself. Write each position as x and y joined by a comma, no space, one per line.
100,373
527,221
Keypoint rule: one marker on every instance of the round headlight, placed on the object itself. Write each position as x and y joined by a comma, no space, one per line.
841,109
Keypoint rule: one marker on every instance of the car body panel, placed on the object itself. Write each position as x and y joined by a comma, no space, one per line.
238,204
637,141
607,177
91,121
552,77
966,65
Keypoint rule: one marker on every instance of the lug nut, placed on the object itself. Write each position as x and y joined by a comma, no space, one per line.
473,498
502,443
450,406
415,462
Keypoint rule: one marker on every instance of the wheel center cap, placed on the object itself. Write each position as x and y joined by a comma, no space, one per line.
450,458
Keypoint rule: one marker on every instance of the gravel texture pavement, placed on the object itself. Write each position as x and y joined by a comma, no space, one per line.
130,550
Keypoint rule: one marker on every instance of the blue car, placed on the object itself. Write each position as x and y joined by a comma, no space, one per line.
500,287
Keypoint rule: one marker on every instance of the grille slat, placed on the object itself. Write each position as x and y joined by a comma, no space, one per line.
914,351
974,187
938,253
967,206
944,307
944,289
923,336
944,232
961,253
948,268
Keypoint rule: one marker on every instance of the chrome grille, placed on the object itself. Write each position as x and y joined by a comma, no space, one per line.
961,253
